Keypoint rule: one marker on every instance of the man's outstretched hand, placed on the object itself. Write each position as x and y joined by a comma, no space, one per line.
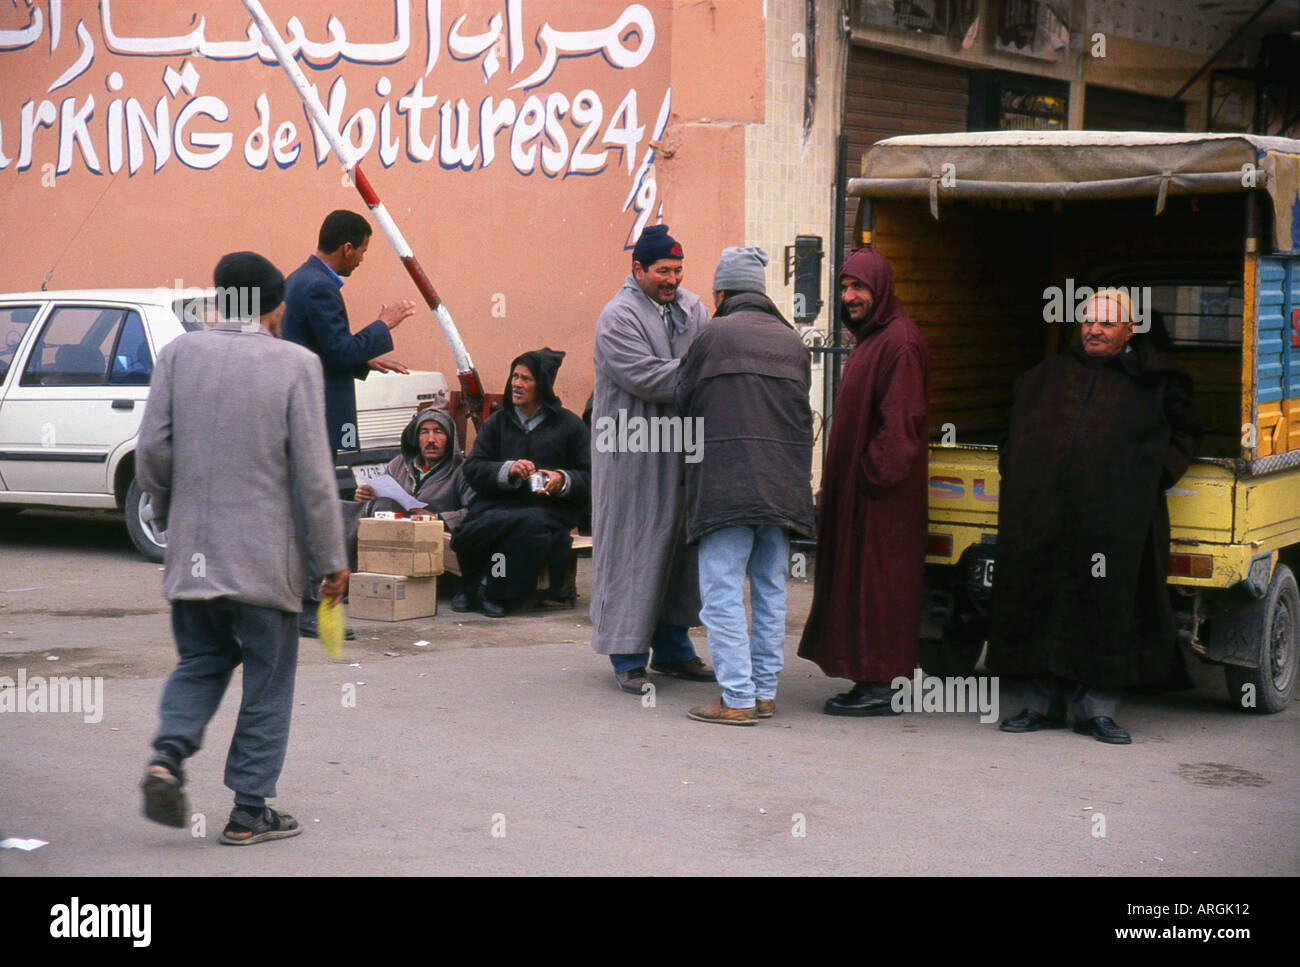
387,366
392,315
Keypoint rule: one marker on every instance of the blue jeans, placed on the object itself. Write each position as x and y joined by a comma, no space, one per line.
745,661
669,643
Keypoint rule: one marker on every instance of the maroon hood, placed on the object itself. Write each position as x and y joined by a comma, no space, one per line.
873,270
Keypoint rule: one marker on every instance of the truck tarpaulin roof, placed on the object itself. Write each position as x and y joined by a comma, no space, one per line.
1079,165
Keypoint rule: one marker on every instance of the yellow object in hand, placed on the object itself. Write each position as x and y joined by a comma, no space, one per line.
329,625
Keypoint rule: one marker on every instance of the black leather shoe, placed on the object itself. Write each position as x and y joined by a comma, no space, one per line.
1103,729
861,701
490,608
307,629
462,603
1029,721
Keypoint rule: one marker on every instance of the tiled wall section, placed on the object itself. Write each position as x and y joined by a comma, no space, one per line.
788,179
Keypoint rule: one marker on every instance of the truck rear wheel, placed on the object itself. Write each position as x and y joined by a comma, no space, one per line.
1268,687
146,537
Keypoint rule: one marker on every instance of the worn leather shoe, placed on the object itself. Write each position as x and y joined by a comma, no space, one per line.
491,608
1030,721
764,708
692,670
462,603
632,681
719,714
1103,729
862,700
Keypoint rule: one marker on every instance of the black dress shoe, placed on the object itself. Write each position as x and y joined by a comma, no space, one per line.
1103,729
1030,721
462,603
490,608
862,700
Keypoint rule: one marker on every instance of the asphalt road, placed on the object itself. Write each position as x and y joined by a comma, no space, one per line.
503,746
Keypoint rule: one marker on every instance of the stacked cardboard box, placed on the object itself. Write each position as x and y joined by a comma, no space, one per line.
398,563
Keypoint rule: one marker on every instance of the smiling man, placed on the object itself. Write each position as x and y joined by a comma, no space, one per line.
1080,606
644,590
865,619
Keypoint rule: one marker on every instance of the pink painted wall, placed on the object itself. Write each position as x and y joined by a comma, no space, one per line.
524,247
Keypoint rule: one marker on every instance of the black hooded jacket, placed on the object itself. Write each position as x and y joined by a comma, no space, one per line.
560,442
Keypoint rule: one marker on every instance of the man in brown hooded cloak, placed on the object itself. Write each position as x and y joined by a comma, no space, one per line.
866,612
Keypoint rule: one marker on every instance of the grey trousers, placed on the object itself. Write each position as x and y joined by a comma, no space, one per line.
212,639
1086,702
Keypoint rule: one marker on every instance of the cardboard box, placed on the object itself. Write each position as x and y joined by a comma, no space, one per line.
409,547
449,563
391,597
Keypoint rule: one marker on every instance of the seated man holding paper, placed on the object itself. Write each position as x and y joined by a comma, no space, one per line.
427,474
531,473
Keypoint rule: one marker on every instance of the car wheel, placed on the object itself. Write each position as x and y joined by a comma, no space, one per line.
1272,683
148,539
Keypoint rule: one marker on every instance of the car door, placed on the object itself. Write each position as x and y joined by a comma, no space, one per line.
76,395
16,328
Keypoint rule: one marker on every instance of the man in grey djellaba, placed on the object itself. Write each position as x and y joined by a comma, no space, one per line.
645,590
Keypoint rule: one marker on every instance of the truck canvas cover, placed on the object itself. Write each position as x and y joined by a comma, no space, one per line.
1081,165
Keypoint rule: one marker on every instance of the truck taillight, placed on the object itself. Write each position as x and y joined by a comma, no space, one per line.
1191,565
938,545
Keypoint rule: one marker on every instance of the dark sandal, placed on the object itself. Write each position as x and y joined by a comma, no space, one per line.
244,829
164,802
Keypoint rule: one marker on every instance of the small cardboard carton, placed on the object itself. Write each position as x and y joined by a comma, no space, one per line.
391,597
449,563
409,547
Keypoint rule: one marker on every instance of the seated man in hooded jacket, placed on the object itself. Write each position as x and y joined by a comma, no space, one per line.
531,474
430,468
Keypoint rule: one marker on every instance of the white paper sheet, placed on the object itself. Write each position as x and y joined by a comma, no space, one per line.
385,486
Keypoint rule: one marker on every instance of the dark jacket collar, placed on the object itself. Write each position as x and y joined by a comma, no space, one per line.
750,302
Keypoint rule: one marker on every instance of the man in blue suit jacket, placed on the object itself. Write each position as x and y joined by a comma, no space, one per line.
315,317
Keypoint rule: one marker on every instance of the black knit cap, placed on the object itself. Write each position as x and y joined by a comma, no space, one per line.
245,272
654,244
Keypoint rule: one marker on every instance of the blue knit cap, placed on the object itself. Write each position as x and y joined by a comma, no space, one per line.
655,243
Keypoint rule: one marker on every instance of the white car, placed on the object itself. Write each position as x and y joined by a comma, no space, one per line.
74,376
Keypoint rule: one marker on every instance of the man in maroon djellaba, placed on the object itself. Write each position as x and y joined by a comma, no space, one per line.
866,612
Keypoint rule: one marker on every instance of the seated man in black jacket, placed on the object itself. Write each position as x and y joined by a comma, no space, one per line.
531,472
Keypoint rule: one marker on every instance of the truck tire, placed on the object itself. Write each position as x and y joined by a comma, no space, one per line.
147,539
1272,683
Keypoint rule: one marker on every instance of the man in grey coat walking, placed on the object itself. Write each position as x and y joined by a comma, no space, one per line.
234,455
644,590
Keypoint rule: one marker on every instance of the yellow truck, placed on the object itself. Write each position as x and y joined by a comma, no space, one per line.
997,239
